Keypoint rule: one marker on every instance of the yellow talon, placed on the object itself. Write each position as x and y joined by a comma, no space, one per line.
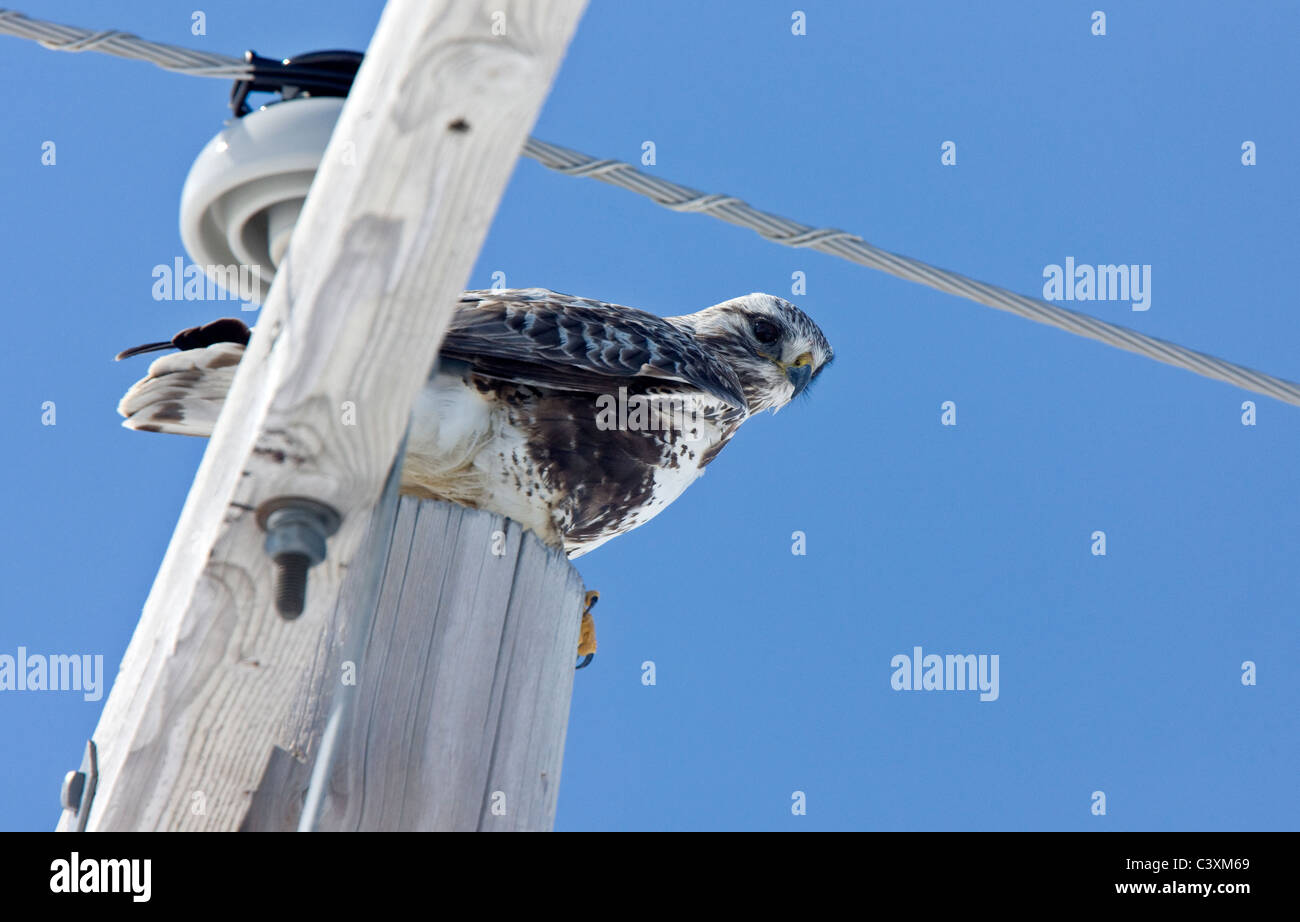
587,633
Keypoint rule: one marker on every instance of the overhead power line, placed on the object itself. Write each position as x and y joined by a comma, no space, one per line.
122,45
727,208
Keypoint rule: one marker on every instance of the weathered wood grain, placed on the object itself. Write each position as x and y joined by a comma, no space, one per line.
386,240
458,714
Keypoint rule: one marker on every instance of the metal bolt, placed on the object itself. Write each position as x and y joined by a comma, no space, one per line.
74,785
78,793
296,528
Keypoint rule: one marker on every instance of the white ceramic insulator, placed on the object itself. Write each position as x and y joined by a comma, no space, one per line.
247,186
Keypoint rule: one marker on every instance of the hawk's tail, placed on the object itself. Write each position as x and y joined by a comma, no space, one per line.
183,393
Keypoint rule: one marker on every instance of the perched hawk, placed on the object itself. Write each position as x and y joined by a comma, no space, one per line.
578,419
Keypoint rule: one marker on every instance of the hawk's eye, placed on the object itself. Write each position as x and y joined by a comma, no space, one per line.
765,331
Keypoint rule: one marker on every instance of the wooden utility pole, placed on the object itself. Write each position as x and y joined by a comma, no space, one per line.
458,714
210,685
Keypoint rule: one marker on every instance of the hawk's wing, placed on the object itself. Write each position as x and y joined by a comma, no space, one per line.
535,336
528,336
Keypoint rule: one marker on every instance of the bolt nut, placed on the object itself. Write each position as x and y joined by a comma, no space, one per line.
294,531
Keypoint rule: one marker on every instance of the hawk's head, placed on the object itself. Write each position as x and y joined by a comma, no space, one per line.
774,348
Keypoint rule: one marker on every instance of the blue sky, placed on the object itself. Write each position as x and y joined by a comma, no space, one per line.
1119,673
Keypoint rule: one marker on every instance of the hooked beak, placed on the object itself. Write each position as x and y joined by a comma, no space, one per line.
798,376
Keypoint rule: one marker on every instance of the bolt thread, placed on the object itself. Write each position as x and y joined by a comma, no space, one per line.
291,584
